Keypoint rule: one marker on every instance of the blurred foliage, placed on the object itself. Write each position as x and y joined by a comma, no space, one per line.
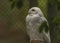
12,22
43,6
16,3
58,3
54,16
56,20
13,5
10,0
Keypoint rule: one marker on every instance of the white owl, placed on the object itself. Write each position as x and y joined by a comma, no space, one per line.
37,25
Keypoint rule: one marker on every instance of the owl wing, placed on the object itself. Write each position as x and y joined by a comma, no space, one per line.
46,30
44,25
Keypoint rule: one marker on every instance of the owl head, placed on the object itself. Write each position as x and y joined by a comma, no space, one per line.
35,10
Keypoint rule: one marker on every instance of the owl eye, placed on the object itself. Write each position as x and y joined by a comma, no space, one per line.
33,10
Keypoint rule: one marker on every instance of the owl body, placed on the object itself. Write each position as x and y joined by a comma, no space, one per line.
34,20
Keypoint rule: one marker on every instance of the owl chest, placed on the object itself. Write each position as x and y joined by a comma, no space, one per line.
34,20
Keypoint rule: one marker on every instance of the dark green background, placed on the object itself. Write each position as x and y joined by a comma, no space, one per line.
12,21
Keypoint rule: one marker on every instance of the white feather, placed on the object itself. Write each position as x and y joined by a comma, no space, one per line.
33,20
